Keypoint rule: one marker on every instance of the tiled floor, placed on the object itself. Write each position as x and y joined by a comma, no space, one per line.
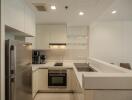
54,96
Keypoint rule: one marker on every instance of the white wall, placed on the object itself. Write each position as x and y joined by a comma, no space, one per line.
111,41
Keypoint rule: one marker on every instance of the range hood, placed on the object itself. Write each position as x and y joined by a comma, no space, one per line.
57,45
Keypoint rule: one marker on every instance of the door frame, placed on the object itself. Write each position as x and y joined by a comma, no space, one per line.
2,52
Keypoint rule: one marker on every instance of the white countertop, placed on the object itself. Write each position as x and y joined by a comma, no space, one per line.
51,65
86,78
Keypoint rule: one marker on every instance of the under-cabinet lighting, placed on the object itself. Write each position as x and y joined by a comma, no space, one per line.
53,7
81,13
57,46
62,47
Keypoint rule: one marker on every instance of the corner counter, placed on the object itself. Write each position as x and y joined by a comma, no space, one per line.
108,76
111,81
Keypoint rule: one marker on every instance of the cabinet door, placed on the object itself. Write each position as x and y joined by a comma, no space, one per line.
58,34
42,79
69,79
34,83
14,14
29,21
42,37
75,83
79,96
50,34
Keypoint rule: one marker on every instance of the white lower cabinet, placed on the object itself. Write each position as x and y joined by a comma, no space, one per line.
78,96
43,82
75,83
34,83
78,93
42,79
40,84
69,78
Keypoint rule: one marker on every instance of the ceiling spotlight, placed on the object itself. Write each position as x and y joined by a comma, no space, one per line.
81,13
53,7
114,12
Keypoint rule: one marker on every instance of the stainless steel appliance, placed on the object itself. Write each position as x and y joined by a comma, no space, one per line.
42,59
18,69
36,57
57,78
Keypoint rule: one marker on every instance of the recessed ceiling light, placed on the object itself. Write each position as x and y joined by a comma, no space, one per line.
81,13
53,7
114,12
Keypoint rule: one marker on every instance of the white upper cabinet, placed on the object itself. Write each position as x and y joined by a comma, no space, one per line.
58,33
42,37
50,34
19,16
14,14
29,21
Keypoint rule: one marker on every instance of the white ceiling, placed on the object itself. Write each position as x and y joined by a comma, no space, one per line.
123,8
93,9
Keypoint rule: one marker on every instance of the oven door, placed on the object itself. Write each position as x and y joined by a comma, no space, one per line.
57,80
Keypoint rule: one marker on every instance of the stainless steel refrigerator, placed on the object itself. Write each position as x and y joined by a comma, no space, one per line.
18,69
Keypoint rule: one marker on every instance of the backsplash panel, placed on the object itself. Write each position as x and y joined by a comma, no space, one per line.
61,55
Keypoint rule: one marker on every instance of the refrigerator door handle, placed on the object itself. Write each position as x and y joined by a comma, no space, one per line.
13,59
12,71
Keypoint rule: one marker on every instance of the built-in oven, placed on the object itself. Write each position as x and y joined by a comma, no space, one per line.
57,78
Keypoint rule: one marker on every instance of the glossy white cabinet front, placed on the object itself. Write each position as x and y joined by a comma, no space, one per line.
14,14
34,82
29,21
19,16
50,34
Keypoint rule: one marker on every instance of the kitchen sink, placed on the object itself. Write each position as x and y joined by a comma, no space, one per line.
84,67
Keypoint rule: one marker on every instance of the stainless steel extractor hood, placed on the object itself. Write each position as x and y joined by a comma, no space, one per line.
57,45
